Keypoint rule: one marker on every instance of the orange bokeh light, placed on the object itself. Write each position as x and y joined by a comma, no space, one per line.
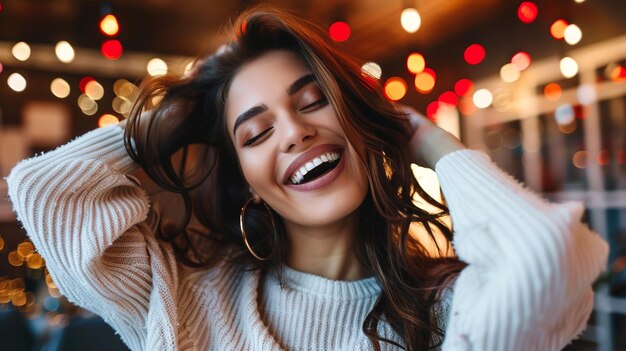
107,120
415,63
552,91
557,29
618,74
395,88
425,81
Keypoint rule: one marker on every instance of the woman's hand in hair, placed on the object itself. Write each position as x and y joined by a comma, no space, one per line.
429,142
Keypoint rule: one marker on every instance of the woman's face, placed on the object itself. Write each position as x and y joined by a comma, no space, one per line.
291,148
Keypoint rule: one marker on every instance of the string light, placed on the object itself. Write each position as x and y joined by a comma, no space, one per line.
410,20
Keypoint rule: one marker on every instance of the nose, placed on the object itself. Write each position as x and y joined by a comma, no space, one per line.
296,132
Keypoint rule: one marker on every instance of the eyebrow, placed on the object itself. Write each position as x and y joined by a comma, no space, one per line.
258,109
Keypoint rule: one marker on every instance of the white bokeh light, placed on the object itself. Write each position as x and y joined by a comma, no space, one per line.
157,67
569,67
64,51
482,98
17,82
410,20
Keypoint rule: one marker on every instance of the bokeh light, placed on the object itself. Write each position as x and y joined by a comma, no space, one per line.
449,98
474,54
109,25
410,20
21,51
112,49
107,120
17,82
615,72
60,88
509,73
482,98
572,34
579,160
339,31
466,106
425,81
94,90
569,67
64,51
156,67
415,63
87,105
552,91
372,69
527,11
395,88
521,60
557,29
464,87
431,110
83,83
564,114
586,94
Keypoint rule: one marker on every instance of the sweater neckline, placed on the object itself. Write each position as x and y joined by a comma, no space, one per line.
329,288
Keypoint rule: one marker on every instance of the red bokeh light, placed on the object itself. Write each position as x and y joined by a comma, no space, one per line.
83,83
431,109
339,31
450,98
464,87
527,11
474,54
112,49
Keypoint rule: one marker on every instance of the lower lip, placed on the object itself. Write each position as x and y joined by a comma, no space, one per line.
321,181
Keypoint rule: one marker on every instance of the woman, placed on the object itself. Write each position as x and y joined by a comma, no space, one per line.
295,229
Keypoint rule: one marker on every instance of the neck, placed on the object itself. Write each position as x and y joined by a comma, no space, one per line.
326,251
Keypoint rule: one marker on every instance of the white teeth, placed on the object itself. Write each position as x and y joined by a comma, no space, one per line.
297,176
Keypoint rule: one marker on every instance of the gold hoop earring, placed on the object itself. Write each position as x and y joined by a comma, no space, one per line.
243,232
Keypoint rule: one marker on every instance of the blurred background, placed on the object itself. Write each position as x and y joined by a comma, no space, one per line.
539,85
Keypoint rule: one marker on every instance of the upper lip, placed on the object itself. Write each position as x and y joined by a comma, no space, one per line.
307,156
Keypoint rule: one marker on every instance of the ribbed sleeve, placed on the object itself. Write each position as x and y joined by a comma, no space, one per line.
86,219
531,263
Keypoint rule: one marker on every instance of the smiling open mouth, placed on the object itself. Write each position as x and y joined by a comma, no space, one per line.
316,168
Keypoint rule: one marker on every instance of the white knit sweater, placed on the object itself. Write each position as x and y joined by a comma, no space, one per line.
527,285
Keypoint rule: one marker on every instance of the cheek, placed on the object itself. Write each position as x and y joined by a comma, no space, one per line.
257,170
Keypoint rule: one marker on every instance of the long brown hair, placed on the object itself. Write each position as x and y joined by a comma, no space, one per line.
174,115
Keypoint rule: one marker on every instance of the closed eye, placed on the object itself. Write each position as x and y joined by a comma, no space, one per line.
251,141
319,103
